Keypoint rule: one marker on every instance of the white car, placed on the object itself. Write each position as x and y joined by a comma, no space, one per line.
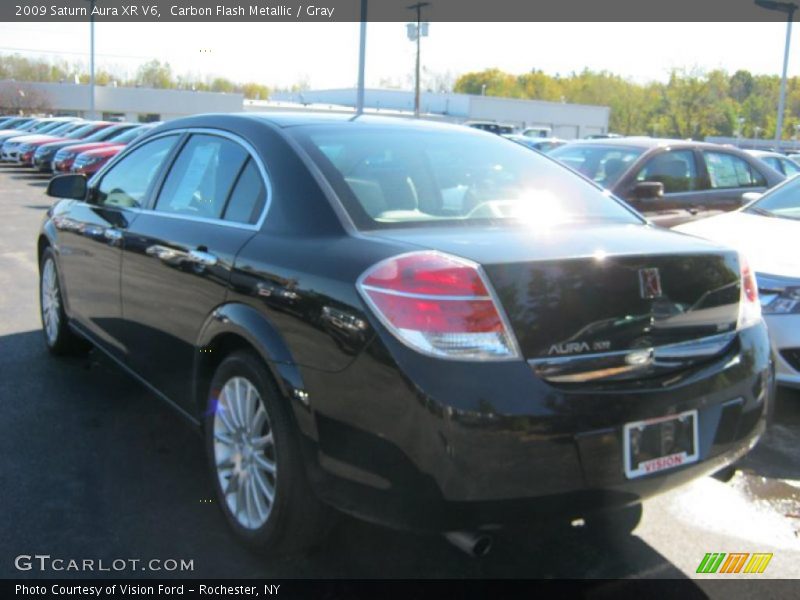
787,165
767,232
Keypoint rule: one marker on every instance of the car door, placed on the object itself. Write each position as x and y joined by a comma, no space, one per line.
90,240
677,170
179,253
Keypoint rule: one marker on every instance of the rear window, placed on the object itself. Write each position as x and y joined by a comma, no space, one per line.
389,177
603,164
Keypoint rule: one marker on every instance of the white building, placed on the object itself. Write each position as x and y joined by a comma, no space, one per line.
132,104
566,121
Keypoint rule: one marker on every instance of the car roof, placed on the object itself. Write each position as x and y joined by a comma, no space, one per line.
293,119
646,142
765,153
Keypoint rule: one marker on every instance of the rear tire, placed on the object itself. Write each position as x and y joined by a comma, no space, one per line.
58,336
256,463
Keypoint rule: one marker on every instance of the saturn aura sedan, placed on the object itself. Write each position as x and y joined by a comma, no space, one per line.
418,324
765,231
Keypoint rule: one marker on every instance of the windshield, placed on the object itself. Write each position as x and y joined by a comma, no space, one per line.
127,135
82,130
47,126
783,201
107,132
16,123
387,177
603,164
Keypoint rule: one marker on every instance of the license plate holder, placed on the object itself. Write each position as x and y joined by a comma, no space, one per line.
660,444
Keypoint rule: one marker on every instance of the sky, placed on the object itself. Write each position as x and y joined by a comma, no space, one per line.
325,55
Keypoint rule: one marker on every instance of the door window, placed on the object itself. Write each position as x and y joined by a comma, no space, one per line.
202,176
730,171
128,181
790,168
675,169
773,162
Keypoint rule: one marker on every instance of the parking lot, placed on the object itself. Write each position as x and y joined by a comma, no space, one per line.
94,466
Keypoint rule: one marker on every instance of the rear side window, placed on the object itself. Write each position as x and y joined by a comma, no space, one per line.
127,182
201,179
729,171
248,197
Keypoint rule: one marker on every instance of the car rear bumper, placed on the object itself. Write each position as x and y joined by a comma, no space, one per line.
437,445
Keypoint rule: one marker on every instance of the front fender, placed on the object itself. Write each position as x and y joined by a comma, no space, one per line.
257,330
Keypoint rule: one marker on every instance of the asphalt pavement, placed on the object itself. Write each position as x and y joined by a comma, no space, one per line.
95,467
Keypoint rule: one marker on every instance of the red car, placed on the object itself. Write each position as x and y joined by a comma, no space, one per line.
90,161
61,161
14,145
71,133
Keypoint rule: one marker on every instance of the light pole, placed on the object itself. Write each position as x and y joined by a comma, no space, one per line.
91,59
418,33
362,55
788,8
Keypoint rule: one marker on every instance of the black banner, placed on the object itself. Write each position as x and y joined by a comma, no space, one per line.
283,589
387,10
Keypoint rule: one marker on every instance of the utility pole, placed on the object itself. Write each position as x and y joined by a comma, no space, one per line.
418,7
788,8
362,56
91,60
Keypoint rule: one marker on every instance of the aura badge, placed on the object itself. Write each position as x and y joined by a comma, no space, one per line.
649,283
734,563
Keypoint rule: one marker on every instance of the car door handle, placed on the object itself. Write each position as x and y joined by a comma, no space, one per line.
112,235
202,258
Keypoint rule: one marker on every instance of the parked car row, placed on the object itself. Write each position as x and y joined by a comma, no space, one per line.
54,144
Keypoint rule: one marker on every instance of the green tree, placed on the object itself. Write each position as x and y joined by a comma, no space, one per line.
155,74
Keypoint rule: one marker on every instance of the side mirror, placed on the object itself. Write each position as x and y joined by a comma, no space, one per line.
749,197
648,190
72,186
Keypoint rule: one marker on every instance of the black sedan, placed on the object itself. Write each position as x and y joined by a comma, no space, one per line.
419,324
670,181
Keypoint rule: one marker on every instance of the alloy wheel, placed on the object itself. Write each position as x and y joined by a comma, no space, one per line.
244,453
51,302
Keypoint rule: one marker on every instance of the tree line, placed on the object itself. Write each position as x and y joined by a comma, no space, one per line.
152,74
691,104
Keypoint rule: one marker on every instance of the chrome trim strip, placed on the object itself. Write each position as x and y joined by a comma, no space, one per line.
251,151
421,296
581,368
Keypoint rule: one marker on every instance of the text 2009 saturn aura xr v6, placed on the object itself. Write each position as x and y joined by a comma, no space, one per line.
426,326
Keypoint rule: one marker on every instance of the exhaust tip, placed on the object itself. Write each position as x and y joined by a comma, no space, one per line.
474,544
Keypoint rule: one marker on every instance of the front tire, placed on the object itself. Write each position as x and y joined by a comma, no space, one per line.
255,460
58,336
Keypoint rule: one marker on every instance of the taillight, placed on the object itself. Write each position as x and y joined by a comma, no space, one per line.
439,305
749,304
